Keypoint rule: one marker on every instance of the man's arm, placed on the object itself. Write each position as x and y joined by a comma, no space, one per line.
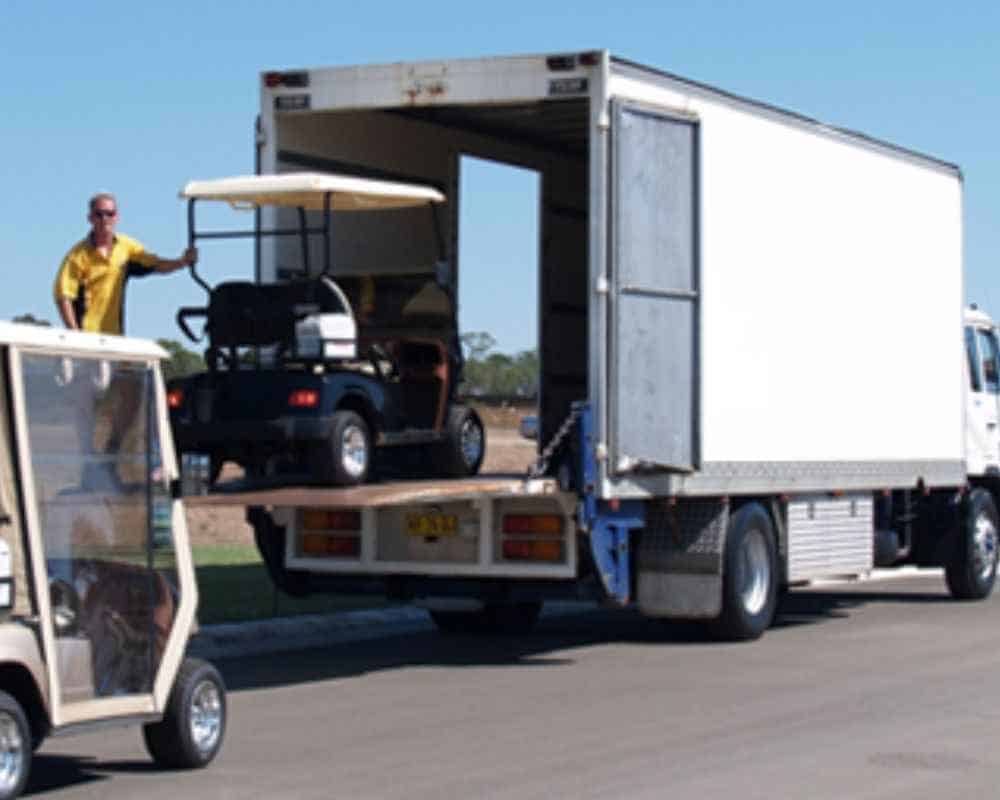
67,313
188,257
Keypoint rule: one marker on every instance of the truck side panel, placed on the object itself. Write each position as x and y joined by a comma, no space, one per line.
830,304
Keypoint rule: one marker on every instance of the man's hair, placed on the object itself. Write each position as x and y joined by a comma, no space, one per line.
92,203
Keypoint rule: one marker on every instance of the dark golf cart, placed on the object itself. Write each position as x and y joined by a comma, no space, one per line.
300,388
97,587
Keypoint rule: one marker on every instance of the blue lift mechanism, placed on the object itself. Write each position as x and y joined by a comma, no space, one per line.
609,523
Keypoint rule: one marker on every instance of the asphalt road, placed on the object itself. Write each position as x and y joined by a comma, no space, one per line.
878,690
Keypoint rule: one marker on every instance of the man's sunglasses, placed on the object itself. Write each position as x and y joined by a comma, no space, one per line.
100,212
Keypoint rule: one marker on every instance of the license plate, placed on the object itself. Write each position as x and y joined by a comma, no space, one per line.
431,524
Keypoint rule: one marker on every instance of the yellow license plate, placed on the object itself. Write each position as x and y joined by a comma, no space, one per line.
431,524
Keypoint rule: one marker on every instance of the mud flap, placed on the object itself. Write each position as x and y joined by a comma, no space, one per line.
680,559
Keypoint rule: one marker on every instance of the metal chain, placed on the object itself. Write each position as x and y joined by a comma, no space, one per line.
541,464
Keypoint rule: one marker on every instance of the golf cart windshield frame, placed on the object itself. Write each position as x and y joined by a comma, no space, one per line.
304,231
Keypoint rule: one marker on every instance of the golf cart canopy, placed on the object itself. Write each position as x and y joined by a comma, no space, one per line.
308,190
98,345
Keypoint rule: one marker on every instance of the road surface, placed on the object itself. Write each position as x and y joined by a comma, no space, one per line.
874,690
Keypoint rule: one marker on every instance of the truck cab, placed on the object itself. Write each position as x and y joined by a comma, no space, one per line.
983,374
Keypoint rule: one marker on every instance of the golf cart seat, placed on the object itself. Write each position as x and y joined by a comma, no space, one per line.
305,320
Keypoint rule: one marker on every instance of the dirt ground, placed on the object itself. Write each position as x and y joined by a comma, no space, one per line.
506,452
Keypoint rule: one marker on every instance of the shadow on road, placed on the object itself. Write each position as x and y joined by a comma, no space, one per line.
553,635
53,772
814,606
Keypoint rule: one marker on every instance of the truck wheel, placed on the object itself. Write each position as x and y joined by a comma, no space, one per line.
509,618
972,569
462,452
15,747
345,459
190,734
749,576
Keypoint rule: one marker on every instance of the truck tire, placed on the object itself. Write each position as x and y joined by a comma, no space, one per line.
749,576
971,571
15,747
190,734
505,618
345,459
461,454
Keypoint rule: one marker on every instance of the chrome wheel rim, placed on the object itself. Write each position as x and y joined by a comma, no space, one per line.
11,752
984,547
754,572
354,451
206,716
471,442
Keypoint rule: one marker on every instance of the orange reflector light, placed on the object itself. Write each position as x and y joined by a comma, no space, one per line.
175,398
541,550
318,544
532,523
329,520
304,398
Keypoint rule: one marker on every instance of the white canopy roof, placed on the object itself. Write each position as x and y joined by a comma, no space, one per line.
307,189
62,341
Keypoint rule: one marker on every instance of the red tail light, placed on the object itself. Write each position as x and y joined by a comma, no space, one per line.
532,523
175,398
331,520
537,550
303,398
318,544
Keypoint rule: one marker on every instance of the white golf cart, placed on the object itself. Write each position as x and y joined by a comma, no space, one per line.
97,587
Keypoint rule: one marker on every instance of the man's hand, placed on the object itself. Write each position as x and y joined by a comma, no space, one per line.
190,257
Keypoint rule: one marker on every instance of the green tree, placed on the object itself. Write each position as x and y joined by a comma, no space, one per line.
477,344
31,319
181,362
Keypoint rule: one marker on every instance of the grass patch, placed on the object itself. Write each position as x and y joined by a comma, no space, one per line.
233,586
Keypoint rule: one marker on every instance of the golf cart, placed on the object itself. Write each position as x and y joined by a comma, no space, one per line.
311,377
97,588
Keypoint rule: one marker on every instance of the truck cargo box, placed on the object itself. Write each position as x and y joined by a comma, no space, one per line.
768,303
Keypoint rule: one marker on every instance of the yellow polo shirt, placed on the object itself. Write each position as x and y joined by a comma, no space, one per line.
96,285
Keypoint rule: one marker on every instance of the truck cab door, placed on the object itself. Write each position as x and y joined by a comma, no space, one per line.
982,417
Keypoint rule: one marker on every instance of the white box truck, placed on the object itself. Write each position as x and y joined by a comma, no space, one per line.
751,344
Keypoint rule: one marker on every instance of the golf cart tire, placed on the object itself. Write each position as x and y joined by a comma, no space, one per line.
334,464
194,724
462,452
18,746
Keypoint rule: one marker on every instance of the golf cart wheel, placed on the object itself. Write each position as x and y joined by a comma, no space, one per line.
345,459
190,734
15,747
464,447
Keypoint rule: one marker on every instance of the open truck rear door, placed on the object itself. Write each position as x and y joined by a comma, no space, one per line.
654,290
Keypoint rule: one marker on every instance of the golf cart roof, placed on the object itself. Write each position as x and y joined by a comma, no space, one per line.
98,345
307,190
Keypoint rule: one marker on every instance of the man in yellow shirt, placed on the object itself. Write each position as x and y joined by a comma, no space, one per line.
90,286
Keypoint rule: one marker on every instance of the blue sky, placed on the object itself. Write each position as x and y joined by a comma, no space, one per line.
138,98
